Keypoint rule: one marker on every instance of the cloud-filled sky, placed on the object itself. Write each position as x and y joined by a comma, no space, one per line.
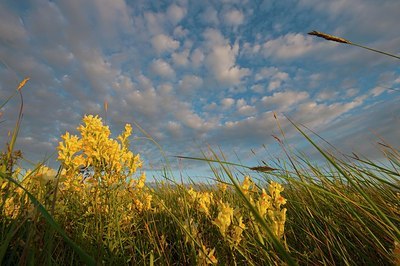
198,73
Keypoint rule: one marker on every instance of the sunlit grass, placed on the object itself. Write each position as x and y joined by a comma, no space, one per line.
345,211
345,41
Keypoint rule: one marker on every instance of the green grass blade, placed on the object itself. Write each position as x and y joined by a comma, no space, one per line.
351,181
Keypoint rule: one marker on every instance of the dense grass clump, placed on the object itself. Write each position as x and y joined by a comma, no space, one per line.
97,208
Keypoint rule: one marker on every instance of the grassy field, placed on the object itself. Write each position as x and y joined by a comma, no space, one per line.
345,212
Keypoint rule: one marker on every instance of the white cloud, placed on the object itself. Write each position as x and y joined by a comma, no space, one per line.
210,107
273,85
210,16
190,83
59,56
90,66
315,79
326,95
11,27
240,102
190,119
175,129
284,101
162,68
227,103
271,73
233,17
265,72
114,17
99,71
315,115
243,108
377,91
180,32
251,49
197,57
250,127
291,45
122,84
165,88
333,7
305,112
351,92
214,37
356,11
275,77
181,59
163,43
144,82
281,76
176,13
145,102
258,88
221,59
246,110
155,22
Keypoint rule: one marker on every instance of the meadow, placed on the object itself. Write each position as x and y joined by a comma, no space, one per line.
97,207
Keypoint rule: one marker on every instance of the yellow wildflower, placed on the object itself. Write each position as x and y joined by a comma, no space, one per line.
247,185
238,231
204,200
201,200
141,181
264,203
224,219
138,205
44,175
206,256
147,201
275,189
222,187
112,160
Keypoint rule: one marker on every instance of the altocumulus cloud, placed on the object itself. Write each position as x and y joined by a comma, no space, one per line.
193,73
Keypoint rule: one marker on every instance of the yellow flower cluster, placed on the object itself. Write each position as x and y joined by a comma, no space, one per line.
269,206
225,216
238,231
248,185
96,149
206,256
202,200
111,199
110,193
230,223
15,201
39,181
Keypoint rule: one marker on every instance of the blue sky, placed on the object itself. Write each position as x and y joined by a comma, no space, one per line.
198,73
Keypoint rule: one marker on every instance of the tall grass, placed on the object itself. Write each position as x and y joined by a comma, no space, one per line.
343,212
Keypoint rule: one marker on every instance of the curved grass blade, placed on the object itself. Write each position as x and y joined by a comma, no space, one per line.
372,204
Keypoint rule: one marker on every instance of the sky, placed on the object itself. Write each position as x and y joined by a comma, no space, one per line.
199,74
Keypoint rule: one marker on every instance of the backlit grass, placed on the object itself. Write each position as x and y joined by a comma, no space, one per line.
96,208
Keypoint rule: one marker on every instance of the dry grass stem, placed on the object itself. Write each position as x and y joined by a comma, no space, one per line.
329,37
